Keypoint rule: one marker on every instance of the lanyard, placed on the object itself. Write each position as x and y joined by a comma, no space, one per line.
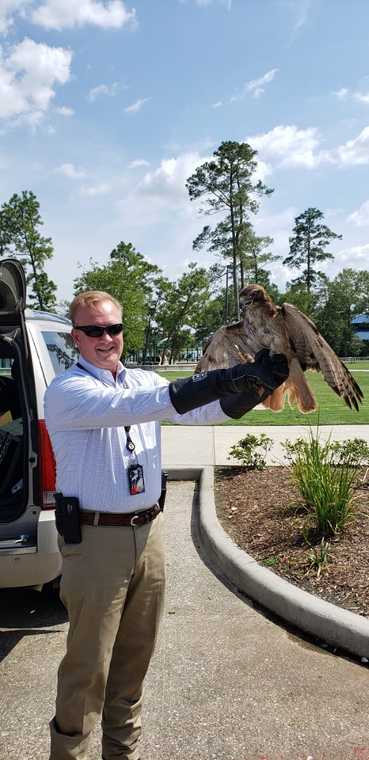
129,443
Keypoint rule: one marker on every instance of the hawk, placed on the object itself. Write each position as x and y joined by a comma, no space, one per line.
283,330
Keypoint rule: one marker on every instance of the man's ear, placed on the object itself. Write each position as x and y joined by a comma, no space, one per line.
74,335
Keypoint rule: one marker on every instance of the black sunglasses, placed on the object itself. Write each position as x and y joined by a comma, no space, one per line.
97,331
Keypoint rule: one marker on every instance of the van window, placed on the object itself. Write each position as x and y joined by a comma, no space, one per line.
61,350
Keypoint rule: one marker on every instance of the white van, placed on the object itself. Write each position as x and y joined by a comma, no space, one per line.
34,347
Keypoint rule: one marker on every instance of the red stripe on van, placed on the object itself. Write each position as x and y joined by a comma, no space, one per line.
47,468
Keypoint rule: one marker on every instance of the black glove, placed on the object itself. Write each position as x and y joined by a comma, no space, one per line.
266,372
237,404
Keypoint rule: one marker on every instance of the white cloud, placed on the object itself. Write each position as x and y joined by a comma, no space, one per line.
361,97
302,8
299,10
138,163
103,89
257,86
262,171
168,181
70,171
355,257
288,146
92,190
64,111
8,9
360,217
63,14
353,152
218,104
28,77
345,94
134,107
205,3
342,93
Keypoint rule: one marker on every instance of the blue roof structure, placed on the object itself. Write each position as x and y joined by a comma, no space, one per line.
360,324
361,319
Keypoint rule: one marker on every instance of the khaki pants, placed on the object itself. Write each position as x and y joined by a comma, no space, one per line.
112,586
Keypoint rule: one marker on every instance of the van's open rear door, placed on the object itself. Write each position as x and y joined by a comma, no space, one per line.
18,419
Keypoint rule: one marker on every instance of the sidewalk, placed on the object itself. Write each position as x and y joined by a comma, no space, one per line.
227,683
192,452
186,446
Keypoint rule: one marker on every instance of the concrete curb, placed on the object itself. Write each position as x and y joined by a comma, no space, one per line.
326,621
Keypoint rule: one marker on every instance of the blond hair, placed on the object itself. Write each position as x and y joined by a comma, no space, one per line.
91,298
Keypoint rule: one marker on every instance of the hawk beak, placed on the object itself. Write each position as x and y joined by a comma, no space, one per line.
245,303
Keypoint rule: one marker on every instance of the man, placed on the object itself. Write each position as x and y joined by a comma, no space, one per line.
104,425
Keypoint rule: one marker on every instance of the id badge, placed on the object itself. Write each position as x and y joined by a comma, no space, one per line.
136,479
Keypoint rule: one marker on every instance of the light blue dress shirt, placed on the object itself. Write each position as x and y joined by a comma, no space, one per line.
85,413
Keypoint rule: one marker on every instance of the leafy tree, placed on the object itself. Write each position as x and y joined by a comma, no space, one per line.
308,247
345,296
226,187
297,295
130,278
160,290
254,255
182,309
21,238
212,317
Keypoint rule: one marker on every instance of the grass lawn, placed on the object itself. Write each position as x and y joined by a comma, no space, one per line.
333,411
358,365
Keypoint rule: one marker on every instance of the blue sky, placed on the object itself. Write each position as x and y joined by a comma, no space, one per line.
106,109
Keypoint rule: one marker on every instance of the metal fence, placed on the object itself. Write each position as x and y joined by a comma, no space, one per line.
354,359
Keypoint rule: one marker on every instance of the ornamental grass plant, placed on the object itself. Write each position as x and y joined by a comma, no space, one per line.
327,486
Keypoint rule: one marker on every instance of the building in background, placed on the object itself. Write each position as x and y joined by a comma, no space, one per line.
360,326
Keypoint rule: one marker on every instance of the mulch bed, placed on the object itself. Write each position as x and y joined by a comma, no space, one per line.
264,514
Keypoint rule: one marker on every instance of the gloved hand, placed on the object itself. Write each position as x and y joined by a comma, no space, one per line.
265,373
267,370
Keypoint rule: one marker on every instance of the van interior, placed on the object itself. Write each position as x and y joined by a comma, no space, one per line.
13,429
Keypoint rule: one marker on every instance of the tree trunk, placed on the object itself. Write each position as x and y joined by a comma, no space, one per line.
308,282
226,297
242,274
256,270
147,337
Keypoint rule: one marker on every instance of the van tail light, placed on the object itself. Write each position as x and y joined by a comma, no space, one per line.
47,468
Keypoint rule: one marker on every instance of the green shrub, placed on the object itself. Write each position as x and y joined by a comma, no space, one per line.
326,485
352,450
246,451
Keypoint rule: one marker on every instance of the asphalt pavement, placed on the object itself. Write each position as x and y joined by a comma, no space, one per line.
226,681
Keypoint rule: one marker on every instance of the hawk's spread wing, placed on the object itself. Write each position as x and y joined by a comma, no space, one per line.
313,352
230,345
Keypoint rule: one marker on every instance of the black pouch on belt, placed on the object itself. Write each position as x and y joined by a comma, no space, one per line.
164,478
67,518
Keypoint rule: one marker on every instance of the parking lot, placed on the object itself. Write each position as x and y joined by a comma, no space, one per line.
226,682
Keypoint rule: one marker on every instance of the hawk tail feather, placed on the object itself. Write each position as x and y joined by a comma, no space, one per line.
275,402
298,389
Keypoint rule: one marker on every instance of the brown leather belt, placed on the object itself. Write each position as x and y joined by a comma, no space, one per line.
120,518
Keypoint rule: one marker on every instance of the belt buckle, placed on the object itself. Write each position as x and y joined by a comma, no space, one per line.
133,520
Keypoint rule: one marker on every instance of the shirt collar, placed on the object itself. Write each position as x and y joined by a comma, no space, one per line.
103,374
